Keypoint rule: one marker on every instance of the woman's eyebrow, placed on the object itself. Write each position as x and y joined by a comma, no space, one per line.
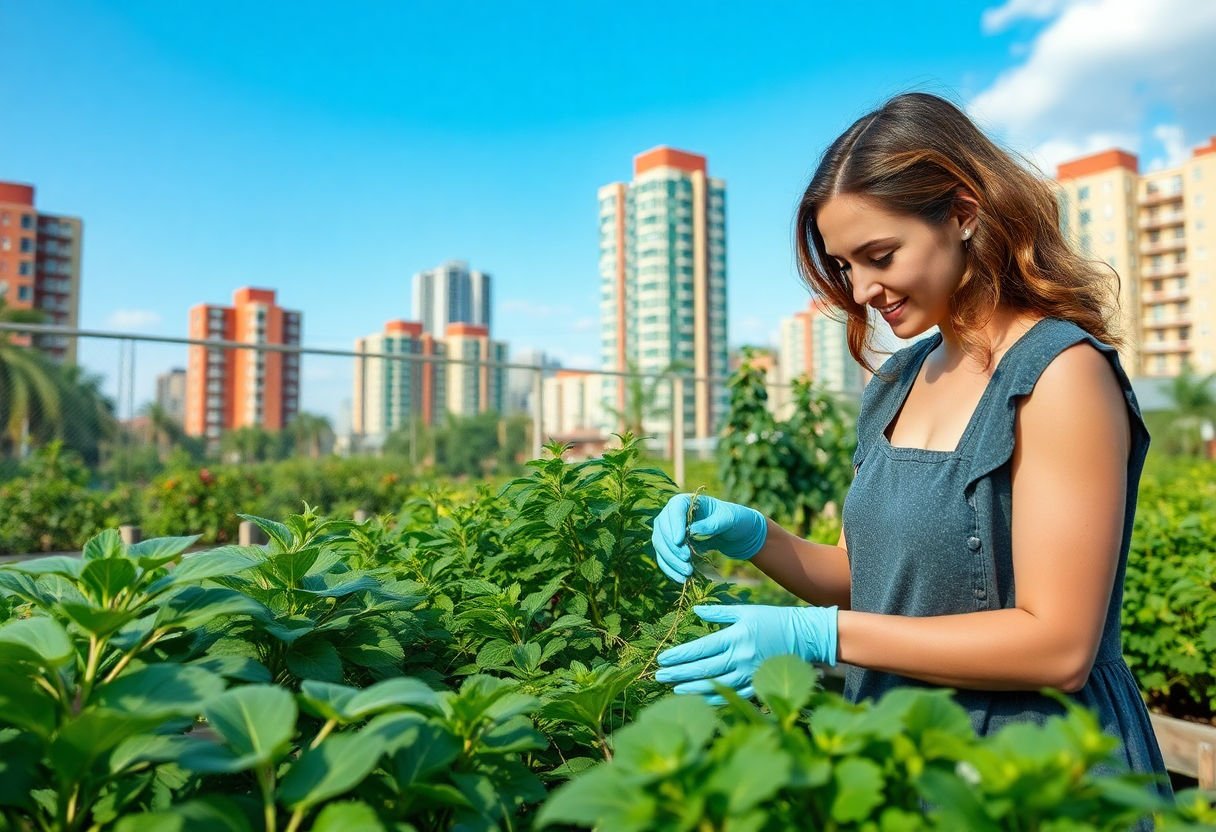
870,244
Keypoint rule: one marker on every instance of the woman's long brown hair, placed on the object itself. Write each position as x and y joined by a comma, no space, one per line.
914,155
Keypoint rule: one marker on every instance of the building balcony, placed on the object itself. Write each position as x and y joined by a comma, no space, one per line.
1165,347
1164,246
1164,219
1167,323
1168,270
1165,296
1160,198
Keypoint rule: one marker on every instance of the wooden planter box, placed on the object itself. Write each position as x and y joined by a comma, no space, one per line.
1188,748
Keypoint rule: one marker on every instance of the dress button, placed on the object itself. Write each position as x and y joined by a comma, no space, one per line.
981,594
973,543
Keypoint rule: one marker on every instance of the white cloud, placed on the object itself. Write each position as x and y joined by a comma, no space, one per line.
1099,70
1173,141
996,20
585,324
133,320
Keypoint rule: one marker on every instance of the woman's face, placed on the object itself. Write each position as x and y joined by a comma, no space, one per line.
889,258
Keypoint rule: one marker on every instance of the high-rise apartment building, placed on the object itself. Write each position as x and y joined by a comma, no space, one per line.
390,392
40,266
1158,231
234,388
663,284
574,401
815,345
171,394
451,294
475,388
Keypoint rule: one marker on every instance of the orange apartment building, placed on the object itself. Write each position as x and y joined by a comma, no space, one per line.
234,388
40,266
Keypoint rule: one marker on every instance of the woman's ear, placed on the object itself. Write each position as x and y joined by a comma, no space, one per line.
966,208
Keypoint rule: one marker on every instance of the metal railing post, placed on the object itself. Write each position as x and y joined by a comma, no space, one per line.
538,412
677,428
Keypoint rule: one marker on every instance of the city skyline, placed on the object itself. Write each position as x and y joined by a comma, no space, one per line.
208,143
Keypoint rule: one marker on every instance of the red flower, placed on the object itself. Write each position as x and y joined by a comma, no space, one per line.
205,476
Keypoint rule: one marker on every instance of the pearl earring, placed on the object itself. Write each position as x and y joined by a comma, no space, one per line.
966,233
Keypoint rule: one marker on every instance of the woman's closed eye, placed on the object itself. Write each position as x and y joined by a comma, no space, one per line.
878,263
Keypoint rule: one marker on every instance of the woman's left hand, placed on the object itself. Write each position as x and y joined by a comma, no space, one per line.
731,656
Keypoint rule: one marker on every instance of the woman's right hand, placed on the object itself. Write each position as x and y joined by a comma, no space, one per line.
736,531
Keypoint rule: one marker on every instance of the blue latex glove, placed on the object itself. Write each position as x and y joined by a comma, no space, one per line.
731,656
734,530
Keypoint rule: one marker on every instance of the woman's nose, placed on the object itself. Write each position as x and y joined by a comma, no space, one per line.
864,292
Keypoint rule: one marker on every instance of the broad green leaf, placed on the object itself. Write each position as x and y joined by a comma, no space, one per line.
418,747
514,736
526,656
147,748
25,704
211,813
99,621
36,640
242,668
785,684
314,657
402,692
335,766
347,817
105,544
91,734
200,566
859,790
20,754
289,630
105,578
161,690
592,570
349,585
255,720
557,512
192,607
54,565
291,567
495,653
158,551
602,798
755,771
667,737
279,534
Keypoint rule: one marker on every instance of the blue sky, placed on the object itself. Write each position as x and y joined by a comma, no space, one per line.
332,151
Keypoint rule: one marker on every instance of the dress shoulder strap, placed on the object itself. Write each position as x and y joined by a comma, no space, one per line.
992,445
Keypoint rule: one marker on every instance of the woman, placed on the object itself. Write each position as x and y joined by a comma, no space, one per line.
987,529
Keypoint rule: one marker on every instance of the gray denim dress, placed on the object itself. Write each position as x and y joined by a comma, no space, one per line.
929,533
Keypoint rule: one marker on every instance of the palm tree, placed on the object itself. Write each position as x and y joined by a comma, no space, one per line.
641,393
31,399
1194,404
311,433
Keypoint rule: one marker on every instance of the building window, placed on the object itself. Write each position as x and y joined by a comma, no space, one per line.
1083,193
25,268
23,293
27,245
27,221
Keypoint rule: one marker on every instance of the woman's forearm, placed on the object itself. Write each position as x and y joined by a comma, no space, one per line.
816,572
1008,649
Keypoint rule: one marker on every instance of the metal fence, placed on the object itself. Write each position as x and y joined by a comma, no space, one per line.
131,370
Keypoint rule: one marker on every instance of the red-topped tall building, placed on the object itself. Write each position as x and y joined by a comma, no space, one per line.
40,266
234,388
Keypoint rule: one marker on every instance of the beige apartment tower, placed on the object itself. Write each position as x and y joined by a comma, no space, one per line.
1158,231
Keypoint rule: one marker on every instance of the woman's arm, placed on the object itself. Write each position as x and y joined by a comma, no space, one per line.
816,572
1069,475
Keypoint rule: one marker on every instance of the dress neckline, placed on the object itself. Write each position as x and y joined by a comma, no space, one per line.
934,454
